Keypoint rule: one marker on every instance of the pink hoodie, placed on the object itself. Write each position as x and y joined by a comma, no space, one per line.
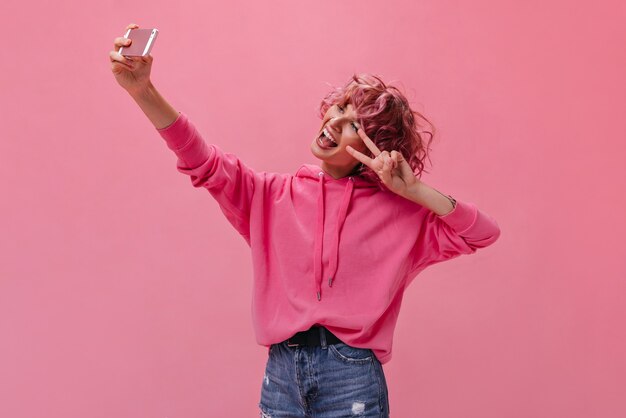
333,252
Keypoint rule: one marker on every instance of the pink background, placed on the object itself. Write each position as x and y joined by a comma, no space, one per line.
124,292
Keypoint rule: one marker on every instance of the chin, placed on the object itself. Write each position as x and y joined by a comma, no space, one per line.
314,151
317,152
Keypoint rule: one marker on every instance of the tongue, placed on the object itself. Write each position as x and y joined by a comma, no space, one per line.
327,142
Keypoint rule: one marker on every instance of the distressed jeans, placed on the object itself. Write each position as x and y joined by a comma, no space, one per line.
326,381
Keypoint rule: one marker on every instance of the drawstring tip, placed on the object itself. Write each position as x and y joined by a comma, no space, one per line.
330,282
319,297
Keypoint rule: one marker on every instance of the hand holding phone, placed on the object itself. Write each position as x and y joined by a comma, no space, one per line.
132,69
142,41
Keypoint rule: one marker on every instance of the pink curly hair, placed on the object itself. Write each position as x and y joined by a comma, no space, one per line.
385,115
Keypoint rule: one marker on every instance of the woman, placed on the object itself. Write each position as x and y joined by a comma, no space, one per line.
333,247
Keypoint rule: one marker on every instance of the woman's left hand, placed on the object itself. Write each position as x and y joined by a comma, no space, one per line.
392,169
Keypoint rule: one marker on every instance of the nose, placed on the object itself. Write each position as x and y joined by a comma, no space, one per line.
333,122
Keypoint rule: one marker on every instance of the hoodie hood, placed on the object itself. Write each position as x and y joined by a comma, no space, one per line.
350,183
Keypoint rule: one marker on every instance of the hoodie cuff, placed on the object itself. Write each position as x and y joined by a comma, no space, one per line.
462,217
178,133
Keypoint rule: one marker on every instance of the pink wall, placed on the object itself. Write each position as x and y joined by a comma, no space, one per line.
124,292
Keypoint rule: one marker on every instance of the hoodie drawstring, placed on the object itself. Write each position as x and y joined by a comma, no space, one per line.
319,236
343,210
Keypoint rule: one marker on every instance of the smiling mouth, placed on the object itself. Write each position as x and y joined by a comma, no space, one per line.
325,143
325,140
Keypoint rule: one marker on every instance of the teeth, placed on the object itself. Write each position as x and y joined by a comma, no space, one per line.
328,135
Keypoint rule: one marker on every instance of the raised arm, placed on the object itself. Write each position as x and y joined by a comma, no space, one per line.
133,75
156,108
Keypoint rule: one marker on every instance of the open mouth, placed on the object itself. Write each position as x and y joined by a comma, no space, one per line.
325,141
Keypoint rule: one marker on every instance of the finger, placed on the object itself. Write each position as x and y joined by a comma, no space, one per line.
146,59
120,42
368,142
403,164
396,158
116,65
386,170
393,157
379,162
360,156
117,58
384,156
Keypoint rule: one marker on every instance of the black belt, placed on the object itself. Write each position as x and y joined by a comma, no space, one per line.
311,337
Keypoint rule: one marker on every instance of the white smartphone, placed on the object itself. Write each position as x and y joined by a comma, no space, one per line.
142,41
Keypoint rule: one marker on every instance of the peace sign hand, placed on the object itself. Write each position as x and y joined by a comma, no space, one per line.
392,169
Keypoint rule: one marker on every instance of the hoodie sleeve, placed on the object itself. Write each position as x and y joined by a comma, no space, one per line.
461,231
227,178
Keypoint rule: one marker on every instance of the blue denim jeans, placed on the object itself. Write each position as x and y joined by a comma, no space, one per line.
324,381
